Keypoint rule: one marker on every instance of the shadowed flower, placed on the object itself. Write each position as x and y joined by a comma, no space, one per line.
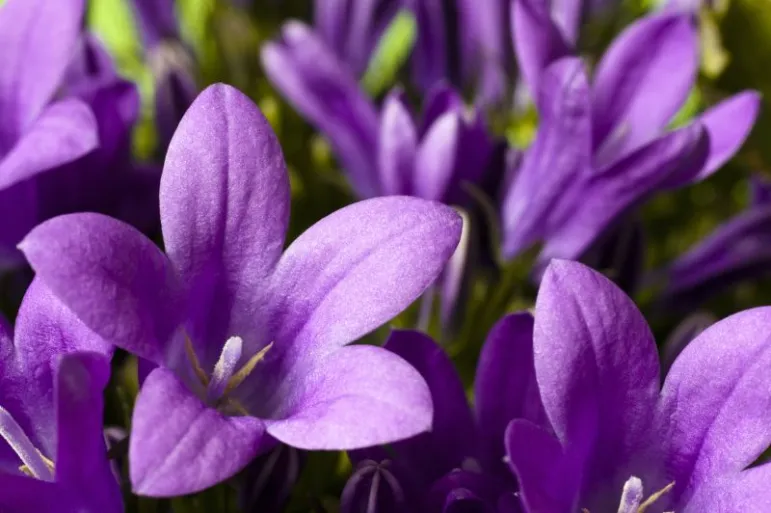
53,455
737,250
37,134
247,343
621,441
462,457
602,149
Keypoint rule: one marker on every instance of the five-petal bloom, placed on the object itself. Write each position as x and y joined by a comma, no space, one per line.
247,343
602,149
53,454
614,427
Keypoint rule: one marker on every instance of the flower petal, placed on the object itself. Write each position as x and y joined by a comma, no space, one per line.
63,132
453,434
318,85
180,446
81,456
358,396
597,368
436,158
715,405
430,59
546,187
667,162
335,282
505,386
398,145
746,492
38,38
224,212
728,123
643,80
22,493
113,278
157,21
537,40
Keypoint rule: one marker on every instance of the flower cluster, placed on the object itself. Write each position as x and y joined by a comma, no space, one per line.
452,327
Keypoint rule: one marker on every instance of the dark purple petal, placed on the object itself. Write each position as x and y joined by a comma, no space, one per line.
180,446
760,190
597,370
22,494
453,435
642,81
436,158
505,386
224,212
174,70
667,162
373,488
356,397
114,279
544,191
537,40
19,213
463,491
367,21
318,85
455,277
683,334
728,123
38,39
63,132
398,146
715,408
431,56
266,485
157,21
81,456
538,461
335,282
330,19
440,100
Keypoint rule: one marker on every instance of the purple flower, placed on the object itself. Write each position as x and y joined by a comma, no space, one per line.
464,449
171,62
353,28
382,153
737,250
246,344
621,441
37,134
603,148
53,455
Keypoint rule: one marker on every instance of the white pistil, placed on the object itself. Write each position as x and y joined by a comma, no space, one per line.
37,464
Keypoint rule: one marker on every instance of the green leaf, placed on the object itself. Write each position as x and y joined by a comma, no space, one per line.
391,53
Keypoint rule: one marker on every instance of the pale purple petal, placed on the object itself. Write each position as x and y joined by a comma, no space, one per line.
642,81
668,162
505,387
113,278
180,446
544,191
537,40
224,212
335,282
398,145
439,100
715,407
567,16
39,37
320,86
453,434
82,466
63,132
436,158
728,123
330,19
597,370
356,397
746,492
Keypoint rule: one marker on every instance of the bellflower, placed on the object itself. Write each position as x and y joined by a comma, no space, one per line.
53,456
462,457
353,28
171,63
247,344
38,38
603,148
737,250
621,441
385,152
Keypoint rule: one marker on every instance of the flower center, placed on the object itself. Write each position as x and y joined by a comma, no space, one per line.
225,378
33,461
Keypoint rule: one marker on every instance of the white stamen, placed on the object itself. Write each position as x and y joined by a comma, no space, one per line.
11,432
631,496
224,368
